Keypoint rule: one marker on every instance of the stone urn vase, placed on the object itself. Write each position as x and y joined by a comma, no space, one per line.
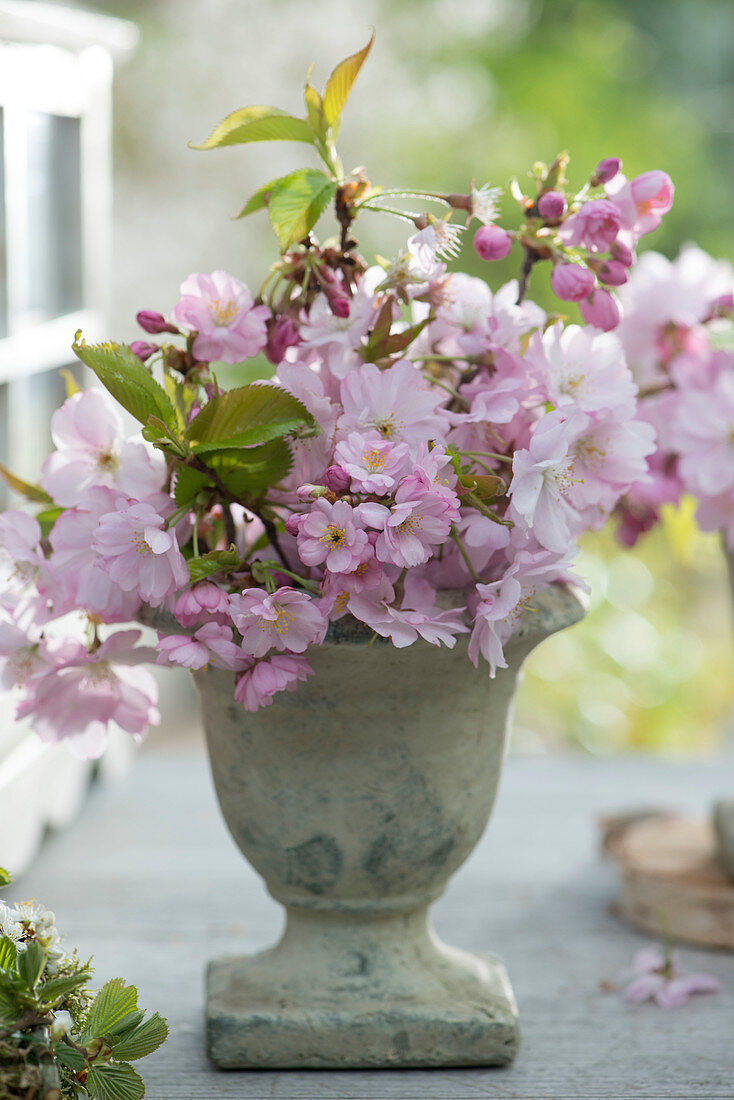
356,798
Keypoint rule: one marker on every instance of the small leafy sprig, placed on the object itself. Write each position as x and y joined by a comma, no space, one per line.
58,1038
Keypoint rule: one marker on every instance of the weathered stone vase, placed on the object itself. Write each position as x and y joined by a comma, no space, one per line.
356,798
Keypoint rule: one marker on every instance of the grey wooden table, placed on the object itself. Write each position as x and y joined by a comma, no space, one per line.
150,882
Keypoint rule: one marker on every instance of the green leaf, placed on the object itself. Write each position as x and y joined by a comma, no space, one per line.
113,1002
8,952
59,987
260,199
126,378
24,489
69,1056
30,963
215,561
245,472
297,202
258,124
143,1041
114,1082
314,107
238,417
339,84
5,877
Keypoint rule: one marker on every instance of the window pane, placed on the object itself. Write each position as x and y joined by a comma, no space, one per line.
53,283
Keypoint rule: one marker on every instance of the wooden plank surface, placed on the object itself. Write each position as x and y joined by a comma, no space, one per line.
149,880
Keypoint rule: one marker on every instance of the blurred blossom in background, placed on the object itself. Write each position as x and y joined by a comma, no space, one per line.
454,91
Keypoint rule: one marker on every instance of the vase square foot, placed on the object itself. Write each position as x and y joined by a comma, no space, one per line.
255,1021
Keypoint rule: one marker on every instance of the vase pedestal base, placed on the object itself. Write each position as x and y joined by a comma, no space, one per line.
381,994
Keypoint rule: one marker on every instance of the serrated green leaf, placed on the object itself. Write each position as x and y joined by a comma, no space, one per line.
260,199
144,1040
215,561
30,963
114,1082
297,202
235,417
114,1001
69,1056
8,952
59,987
258,123
24,488
339,84
125,377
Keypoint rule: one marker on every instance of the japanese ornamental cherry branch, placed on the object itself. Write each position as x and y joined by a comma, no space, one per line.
421,432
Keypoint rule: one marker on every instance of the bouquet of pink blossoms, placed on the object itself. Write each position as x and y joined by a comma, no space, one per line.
424,459
677,336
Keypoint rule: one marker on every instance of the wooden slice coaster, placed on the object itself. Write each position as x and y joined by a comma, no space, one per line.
670,877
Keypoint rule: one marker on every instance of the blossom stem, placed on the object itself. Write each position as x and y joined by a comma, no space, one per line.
445,386
402,214
398,193
462,549
487,454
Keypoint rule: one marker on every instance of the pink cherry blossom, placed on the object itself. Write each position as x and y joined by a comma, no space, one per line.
373,464
282,672
497,603
492,243
139,554
583,368
419,519
220,309
211,644
543,477
83,582
594,226
656,976
395,402
284,620
405,624
204,600
704,426
335,336
91,450
333,534
26,654
20,538
79,700
641,202
609,457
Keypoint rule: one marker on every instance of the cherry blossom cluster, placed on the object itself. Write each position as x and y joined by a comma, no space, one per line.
444,447
590,238
677,337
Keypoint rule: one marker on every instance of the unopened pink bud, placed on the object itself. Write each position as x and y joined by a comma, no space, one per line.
154,322
722,305
339,306
282,334
492,243
552,205
605,171
613,273
311,492
142,349
622,252
600,309
336,479
293,523
571,282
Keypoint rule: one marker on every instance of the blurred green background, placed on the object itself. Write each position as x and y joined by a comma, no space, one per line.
458,90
